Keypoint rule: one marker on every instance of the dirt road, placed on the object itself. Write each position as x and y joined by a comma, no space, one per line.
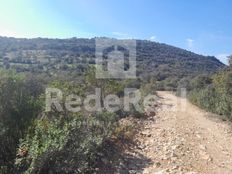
182,141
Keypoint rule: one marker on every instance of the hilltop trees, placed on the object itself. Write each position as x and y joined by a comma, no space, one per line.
230,60
165,63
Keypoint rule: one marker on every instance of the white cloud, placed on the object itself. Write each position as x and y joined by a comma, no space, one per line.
190,43
120,35
9,33
152,38
223,58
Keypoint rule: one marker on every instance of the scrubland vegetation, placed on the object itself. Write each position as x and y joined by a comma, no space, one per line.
36,142
213,93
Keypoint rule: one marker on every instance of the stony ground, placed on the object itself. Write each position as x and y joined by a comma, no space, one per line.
181,139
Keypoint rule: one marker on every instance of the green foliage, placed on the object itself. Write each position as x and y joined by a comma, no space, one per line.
108,86
223,81
200,82
148,88
46,135
69,144
213,95
66,145
68,87
19,105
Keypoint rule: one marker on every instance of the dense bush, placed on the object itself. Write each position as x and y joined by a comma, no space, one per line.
213,94
19,106
65,145
34,141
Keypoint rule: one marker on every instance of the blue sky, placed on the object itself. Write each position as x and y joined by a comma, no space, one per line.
203,27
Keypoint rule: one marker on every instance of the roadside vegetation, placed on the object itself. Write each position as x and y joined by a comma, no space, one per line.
35,141
212,93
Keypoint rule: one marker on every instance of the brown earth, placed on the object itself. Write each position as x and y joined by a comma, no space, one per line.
181,139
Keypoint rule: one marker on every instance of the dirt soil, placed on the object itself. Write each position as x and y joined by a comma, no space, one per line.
181,139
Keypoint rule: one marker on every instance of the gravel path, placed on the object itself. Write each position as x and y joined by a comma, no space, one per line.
182,139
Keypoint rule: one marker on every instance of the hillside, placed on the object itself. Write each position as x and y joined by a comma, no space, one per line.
162,62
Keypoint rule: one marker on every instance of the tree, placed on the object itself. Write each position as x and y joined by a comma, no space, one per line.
107,86
230,60
200,81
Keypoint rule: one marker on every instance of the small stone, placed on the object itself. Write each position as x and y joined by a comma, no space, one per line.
202,147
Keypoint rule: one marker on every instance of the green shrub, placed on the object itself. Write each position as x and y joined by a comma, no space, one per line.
214,96
19,106
65,145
